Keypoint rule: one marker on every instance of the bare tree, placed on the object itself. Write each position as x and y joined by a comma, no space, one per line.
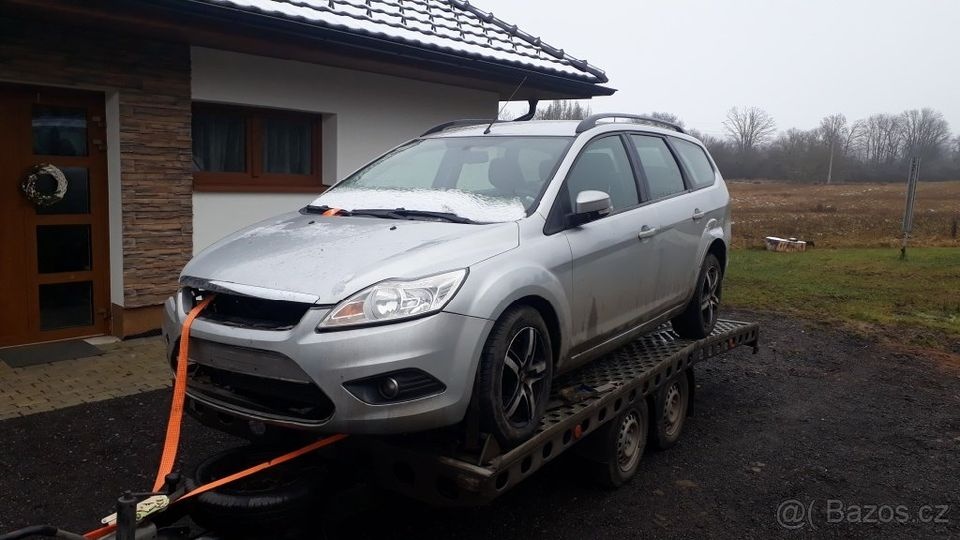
882,139
839,137
666,117
563,110
749,128
925,132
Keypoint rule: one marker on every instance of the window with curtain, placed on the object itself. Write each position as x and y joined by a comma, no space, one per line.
249,149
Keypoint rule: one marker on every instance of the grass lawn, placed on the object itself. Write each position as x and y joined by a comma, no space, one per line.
915,302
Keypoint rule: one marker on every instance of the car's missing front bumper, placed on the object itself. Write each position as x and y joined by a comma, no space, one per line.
397,378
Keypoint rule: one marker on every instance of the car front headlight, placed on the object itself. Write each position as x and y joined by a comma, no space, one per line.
395,300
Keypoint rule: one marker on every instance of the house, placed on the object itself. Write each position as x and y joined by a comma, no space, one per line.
136,133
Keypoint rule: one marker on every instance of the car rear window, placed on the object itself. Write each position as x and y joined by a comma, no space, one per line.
696,162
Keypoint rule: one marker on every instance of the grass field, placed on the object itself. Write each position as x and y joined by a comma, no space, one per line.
844,215
915,302
853,276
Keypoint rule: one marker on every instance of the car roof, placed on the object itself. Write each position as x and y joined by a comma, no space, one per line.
550,128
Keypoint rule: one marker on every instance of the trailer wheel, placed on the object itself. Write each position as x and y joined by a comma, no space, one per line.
277,496
615,449
671,404
515,374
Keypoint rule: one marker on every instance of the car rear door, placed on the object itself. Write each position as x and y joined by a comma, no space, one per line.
679,230
613,259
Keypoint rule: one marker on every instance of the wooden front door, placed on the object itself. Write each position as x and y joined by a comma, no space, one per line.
54,265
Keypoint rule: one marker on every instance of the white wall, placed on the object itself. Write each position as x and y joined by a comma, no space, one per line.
371,113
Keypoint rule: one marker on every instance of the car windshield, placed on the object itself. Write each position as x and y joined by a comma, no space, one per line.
482,179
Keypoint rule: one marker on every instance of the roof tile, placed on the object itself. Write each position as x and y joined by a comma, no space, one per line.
451,26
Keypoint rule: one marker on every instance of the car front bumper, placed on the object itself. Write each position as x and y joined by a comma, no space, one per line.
446,346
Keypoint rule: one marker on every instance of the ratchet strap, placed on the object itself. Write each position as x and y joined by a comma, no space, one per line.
172,440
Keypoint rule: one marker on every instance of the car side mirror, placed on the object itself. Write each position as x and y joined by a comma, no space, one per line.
590,205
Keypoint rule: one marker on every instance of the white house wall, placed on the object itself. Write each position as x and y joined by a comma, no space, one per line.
371,113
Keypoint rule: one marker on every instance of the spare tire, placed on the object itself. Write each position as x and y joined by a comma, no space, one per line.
280,495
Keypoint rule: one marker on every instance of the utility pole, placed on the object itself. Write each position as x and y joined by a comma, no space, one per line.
912,178
830,165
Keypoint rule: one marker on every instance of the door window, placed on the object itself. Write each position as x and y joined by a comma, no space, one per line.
59,131
662,172
603,166
696,162
77,198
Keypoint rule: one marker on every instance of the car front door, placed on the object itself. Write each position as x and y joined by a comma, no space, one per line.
613,259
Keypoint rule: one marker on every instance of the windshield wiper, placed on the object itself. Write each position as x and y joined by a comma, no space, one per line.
396,213
403,213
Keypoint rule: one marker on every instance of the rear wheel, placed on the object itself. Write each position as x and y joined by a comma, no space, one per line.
700,315
670,412
516,370
614,450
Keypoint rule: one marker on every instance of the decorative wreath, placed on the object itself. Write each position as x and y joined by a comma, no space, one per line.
31,188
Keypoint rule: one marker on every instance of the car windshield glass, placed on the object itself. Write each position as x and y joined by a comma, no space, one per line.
483,179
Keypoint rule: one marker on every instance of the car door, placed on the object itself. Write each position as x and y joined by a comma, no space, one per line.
679,230
612,257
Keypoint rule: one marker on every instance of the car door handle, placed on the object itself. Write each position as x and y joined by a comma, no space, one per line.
698,215
646,232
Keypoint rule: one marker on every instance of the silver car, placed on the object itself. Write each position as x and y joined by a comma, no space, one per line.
474,262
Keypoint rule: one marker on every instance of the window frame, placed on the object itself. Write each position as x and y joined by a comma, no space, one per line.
255,179
643,173
557,219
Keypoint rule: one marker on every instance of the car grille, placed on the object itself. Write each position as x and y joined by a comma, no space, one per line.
265,384
250,312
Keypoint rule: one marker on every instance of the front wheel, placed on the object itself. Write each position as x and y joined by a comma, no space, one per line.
700,315
516,371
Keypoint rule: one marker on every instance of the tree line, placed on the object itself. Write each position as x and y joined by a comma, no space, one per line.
877,148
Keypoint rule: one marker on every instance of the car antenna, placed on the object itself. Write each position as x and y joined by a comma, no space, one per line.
509,99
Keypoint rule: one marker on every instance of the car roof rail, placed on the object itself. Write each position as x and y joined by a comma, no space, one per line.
591,121
457,123
478,122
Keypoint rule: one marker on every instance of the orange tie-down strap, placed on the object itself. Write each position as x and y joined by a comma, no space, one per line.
172,441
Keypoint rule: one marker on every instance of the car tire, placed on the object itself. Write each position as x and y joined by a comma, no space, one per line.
514,378
700,315
278,496
614,451
670,406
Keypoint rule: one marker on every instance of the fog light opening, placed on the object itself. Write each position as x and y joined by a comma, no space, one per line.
389,388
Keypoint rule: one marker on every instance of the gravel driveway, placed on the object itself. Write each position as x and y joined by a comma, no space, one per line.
866,438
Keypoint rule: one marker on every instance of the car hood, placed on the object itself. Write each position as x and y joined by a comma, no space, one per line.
325,259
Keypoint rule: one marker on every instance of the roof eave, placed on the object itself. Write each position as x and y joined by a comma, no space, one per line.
541,84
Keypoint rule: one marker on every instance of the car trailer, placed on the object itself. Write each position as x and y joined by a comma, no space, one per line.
586,401
604,410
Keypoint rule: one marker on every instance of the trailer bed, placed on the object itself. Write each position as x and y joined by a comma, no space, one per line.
419,467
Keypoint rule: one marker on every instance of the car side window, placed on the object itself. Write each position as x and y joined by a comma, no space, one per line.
603,165
696,162
659,166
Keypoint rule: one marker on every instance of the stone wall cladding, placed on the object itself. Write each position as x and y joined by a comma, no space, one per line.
153,81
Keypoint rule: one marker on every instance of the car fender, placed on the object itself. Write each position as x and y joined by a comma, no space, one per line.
495,284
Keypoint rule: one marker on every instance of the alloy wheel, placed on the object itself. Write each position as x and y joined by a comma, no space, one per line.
709,299
522,380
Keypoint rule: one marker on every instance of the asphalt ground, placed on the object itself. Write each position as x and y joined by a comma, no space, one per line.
821,434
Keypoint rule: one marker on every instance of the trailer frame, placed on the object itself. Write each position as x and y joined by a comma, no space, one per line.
444,474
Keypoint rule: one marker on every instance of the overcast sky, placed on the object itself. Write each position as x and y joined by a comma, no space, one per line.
798,59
